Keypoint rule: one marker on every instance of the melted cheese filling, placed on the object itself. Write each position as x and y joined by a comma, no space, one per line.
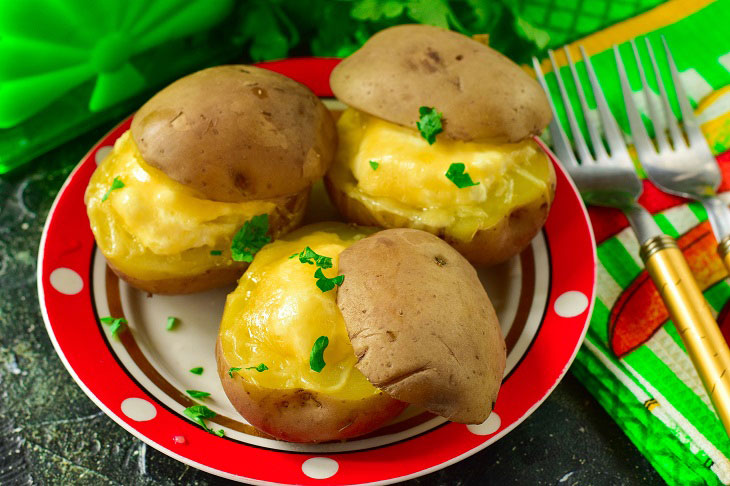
277,313
155,227
410,179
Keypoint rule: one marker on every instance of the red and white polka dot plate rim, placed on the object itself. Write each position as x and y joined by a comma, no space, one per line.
561,264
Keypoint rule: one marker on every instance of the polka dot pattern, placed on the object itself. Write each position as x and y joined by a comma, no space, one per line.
66,281
320,467
488,427
138,409
571,304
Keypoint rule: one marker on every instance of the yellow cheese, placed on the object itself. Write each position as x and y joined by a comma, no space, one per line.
278,312
411,181
154,227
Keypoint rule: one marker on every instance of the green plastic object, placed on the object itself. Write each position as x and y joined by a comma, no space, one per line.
66,65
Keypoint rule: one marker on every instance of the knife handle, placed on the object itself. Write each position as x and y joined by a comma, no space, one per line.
693,319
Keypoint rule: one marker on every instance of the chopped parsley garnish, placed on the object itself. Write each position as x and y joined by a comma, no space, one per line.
309,256
322,262
171,323
116,184
316,356
250,238
259,368
429,123
457,175
374,165
216,252
197,394
197,371
233,370
199,414
115,324
324,283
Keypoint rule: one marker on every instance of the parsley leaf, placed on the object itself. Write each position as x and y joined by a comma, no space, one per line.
374,165
197,394
259,368
116,184
309,256
429,123
250,238
199,414
316,356
457,175
232,370
324,283
171,323
197,371
216,252
115,323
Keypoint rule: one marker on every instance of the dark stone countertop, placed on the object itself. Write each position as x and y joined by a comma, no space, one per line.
51,433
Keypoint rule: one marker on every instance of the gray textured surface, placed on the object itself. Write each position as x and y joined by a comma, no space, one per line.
51,433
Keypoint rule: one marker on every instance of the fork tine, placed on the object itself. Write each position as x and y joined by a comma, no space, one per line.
613,135
671,120
642,142
688,117
661,137
596,141
560,140
580,144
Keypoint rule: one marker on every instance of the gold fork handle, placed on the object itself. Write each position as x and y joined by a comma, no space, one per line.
693,319
723,249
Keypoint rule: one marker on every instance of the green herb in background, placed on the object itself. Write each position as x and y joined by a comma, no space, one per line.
216,252
316,356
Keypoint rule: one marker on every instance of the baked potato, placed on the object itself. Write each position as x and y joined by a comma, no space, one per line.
203,158
474,175
407,321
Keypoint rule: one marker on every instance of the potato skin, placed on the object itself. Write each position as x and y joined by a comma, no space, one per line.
237,133
483,95
286,218
298,415
490,246
421,324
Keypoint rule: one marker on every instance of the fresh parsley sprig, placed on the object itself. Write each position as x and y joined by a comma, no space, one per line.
260,368
316,356
197,394
374,164
429,123
460,178
116,184
250,238
171,323
115,324
322,262
199,414
197,370
326,284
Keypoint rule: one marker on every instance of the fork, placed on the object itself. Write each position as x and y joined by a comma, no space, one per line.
684,168
609,179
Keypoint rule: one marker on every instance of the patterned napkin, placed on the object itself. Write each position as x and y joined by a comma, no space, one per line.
633,360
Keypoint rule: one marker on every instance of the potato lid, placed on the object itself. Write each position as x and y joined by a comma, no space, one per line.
421,324
482,94
237,133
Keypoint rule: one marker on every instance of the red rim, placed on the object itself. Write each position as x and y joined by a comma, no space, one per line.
82,347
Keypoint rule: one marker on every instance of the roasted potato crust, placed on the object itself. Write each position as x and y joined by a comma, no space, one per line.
237,133
483,95
421,324
298,415
489,246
